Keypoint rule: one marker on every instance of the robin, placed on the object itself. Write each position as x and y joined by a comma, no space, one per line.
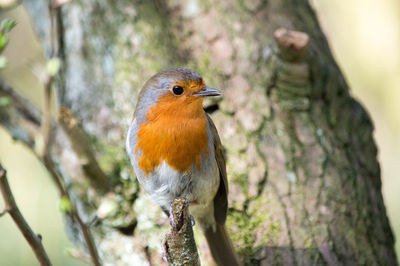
175,151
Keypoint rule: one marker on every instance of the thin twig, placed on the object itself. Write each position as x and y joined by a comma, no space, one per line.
87,235
14,121
47,123
46,156
30,113
34,240
24,107
4,212
85,229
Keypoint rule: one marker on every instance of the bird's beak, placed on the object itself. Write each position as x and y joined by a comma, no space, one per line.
205,91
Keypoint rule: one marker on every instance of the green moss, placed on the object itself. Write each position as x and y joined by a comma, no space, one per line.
244,235
308,244
212,73
242,181
274,230
250,229
109,156
5,101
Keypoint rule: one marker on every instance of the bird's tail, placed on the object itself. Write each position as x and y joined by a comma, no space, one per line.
221,246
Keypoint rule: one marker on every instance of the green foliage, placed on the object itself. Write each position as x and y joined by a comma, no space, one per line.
6,26
3,41
244,228
53,66
5,101
65,205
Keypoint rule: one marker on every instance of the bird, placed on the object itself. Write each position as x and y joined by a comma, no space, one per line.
175,151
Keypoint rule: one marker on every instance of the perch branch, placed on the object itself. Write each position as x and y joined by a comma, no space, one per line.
179,245
35,241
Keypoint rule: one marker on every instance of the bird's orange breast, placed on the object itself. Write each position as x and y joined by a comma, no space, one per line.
175,132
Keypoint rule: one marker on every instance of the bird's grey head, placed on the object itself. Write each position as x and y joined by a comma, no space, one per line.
161,84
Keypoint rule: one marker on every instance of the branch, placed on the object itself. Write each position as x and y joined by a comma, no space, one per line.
46,157
19,117
47,127
179,245
87,235
292,44
81,146
35,241
55,173
24,107
291,71
24,110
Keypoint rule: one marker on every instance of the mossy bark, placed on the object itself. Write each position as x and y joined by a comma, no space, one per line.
305,184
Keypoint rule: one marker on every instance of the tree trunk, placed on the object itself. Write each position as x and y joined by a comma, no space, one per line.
305,184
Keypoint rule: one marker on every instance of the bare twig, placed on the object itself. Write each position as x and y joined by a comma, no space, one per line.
34,240
46,156
19,117
179,245
24,107
5,211
87,235
85,229
30,113
82,148
48,86
47,123
57,178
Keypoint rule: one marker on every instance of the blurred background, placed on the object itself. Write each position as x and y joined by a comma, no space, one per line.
364,36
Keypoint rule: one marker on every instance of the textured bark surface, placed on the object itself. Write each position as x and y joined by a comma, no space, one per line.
305,183
179,246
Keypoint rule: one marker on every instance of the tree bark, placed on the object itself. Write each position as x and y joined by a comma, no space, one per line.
305,184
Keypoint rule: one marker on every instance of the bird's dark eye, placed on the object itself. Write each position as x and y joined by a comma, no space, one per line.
177,90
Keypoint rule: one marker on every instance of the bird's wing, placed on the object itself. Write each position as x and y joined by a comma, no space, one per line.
221,198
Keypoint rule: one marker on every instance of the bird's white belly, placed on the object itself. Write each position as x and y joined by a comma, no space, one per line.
198,186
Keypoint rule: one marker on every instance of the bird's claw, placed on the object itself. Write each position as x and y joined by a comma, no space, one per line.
193,220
